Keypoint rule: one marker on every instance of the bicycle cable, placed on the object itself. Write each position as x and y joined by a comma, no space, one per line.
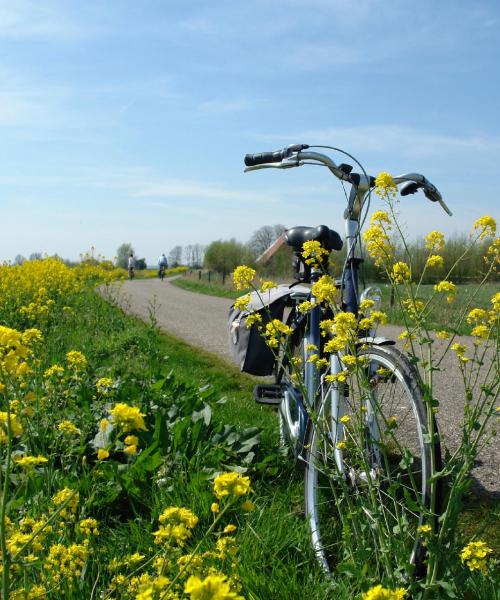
361,222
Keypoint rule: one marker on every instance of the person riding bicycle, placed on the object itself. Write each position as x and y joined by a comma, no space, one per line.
162,265
131,265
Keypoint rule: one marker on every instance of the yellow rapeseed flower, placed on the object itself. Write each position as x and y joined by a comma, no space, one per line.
434,241
76,360
127,417
487,227
102,454
68,428
400,272
213,587
435,260
28,463
231,484
243,277
16,429
381,593
385,185
475,556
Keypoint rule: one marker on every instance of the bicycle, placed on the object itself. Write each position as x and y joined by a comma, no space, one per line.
322,419
161,272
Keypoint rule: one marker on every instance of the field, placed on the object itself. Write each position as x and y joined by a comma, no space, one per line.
109,426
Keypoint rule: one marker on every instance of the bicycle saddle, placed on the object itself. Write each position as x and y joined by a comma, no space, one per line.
329,239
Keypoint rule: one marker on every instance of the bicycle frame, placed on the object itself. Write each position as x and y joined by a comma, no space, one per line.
361,184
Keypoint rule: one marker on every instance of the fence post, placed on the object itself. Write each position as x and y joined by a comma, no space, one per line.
199,275
391,301
209,276
223,277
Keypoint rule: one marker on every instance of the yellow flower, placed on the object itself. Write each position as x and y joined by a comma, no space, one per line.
446,287
380,593
252,319
268,285
313,253
104,385
386,185
230,528
435,260
477,315
443,335
248,505
88,527
349,360
481,332
130,450
15,427
324,290
102,454
434,241
305,306
68,428
175,524
495,300
242,302
213,587
341,445
487,226
54,371
380,217
276,332
401,272
128,417
243,277
132,440
30,462
475,556
231,484
378,244
460,350
214,507
345,419
345,325
76,360
424,529
336,344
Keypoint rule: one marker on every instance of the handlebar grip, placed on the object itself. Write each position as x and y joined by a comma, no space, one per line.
264,157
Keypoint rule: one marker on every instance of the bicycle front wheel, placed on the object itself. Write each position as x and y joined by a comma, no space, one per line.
368,469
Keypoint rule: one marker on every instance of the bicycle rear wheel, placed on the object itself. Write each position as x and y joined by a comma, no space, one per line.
377,470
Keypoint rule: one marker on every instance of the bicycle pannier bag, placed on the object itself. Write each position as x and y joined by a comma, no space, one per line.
248,347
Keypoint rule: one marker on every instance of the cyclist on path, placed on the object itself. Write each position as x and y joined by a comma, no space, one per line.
162,265
131,265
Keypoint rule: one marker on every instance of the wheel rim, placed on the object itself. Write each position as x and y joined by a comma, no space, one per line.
401,469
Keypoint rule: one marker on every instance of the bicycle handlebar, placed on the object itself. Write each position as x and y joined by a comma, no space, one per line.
293,156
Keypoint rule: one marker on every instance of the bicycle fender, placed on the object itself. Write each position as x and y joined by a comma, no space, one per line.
376,341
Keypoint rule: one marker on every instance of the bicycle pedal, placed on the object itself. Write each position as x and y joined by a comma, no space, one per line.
270,394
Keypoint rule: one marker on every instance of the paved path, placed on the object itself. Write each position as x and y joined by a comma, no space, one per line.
201,321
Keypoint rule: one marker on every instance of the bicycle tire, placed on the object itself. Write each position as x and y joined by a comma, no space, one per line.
325,488
288,416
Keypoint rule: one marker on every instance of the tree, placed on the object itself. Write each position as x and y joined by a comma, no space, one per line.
263,238
198,256
140,264
122,254
188,255
224,257
175,256
35,256
19,260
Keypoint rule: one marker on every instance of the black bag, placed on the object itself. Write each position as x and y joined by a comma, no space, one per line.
248,346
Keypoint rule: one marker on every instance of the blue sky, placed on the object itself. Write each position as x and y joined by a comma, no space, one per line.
128,121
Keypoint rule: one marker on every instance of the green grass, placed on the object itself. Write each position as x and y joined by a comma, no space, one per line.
208,288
